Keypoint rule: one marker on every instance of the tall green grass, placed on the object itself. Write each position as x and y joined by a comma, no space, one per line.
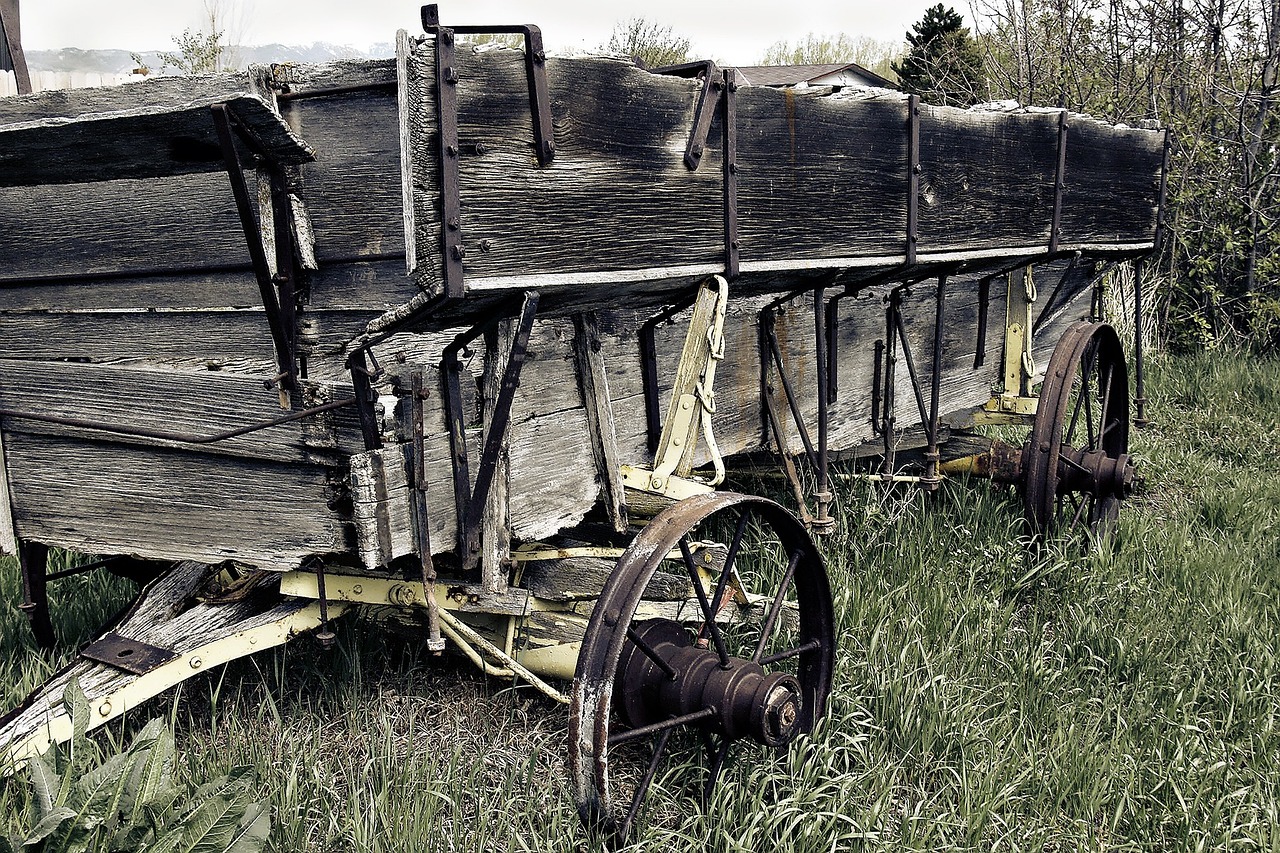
986,698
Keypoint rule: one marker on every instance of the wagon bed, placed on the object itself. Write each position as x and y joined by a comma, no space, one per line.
420,329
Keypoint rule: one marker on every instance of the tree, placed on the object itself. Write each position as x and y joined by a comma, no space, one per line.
197,53
943,65
649,44
874,55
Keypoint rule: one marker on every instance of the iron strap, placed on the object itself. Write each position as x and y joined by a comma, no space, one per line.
1059,182
730,152
913,177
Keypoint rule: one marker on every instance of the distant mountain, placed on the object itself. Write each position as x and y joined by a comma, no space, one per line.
73,59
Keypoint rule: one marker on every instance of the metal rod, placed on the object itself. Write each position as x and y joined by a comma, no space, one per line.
887,402
810,646
905,344
727,568
81,569
651,654
716,636
656,728
792,402
180,437
659,749
33,559
822,491
496,430
1140,392
287,97
766,632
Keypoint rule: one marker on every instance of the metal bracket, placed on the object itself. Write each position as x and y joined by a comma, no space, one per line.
535,67
128,654
469,501
704,111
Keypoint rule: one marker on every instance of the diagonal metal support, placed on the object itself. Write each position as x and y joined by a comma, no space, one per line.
281,336
469,500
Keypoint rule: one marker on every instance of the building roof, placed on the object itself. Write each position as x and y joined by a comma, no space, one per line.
791,75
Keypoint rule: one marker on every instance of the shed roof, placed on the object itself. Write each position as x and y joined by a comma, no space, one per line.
791,75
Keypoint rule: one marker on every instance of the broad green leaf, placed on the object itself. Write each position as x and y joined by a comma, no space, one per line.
49,825
208,829
151,775
254,830
45,784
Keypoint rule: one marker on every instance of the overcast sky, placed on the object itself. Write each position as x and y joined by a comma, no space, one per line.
737,32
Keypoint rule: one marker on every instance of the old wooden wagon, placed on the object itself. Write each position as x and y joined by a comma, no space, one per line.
466,338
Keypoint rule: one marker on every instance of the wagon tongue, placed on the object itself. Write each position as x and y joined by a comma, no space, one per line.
169,634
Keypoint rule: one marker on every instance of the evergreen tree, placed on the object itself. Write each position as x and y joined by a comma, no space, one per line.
943,65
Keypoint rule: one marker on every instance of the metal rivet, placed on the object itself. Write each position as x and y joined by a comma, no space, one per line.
196,663
357,589
451,150
459,253
450,75
104,709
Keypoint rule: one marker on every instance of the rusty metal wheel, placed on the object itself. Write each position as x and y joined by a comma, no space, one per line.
748,658
1076,464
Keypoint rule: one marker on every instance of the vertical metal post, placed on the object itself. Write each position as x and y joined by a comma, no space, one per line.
823,522
1059,182
362,386
913,177
887,403
730,134
931,481
33,558
1140,396
422,528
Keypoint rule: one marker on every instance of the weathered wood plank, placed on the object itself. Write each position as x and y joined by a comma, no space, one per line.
593,383
8,539
201,404
164,504
986,178
146,142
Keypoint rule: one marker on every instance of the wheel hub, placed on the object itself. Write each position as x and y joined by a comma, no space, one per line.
746,700
1096,472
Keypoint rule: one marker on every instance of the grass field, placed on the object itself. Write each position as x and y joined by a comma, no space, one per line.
984,699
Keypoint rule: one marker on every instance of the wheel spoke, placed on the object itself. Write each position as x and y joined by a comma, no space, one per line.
651,653
1105,392
1065,460
707,612
726,571
659,749
1088,409
812,645
717,757
665,725
766,632
1075,521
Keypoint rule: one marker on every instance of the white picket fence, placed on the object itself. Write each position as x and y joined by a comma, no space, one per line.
42,81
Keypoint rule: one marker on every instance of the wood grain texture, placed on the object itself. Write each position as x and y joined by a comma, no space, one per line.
987,178
201,404
146,142
164,504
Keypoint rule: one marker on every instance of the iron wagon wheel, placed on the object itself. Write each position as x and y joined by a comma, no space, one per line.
1077,467
753,664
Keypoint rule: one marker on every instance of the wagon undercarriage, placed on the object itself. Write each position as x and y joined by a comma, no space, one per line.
515,451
